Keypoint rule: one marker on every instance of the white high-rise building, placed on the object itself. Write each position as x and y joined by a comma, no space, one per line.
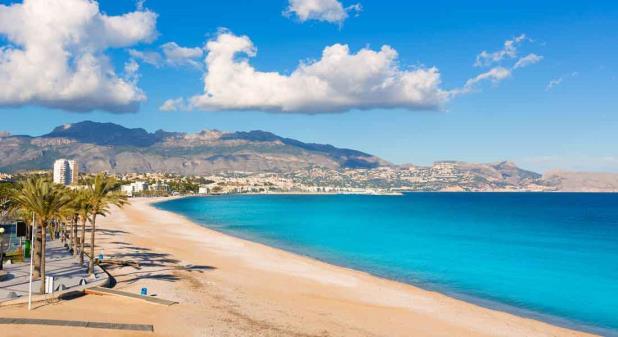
65,172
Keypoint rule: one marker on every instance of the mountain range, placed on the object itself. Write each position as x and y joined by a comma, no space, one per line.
114,148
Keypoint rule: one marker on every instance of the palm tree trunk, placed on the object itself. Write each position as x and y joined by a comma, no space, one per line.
94,228
82,242
65,233
74,236
51,231
43,239
35,253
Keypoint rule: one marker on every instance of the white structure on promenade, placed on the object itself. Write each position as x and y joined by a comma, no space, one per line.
65,172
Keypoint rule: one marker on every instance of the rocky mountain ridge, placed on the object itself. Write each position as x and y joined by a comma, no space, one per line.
114,148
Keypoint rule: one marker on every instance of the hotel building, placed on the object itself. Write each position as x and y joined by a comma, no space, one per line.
65,172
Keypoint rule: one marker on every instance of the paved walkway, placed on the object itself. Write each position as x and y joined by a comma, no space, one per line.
79,324
60,264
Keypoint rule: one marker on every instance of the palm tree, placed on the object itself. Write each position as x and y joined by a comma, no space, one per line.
45,201
103,193
84,211
72,214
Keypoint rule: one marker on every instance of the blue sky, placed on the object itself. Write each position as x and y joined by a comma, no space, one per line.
571,124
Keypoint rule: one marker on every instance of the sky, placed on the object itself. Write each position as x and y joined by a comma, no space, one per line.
534,82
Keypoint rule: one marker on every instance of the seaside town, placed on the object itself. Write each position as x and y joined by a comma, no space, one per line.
441,176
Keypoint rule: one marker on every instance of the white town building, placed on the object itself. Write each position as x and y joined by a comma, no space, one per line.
136,187
66,172
159,187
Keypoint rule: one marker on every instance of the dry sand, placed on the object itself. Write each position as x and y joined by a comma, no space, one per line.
231,287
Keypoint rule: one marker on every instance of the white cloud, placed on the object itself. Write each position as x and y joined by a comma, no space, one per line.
339,81
508,51
171,55
177,55
527,60
140,5
331,11
150,57
131,73
55,55
174,105
494,75
499,72
557,81
554,82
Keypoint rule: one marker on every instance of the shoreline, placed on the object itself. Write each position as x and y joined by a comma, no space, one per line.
484,303
228,286
465,299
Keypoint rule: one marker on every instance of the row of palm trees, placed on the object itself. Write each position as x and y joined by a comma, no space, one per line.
52,207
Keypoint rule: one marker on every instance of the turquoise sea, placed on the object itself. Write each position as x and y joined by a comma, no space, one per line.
551,256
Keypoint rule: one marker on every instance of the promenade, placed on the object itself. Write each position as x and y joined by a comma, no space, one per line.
60,264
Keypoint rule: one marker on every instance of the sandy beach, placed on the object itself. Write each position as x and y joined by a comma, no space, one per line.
227,286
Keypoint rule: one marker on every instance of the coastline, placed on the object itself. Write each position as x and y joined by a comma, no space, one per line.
299,193
244,288
342,269
469,299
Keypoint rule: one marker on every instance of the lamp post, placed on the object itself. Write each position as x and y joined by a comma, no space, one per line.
31,266
1,248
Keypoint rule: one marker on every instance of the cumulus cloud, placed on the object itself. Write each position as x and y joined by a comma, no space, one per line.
508,51
331,11
171,55
55,55
340,80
